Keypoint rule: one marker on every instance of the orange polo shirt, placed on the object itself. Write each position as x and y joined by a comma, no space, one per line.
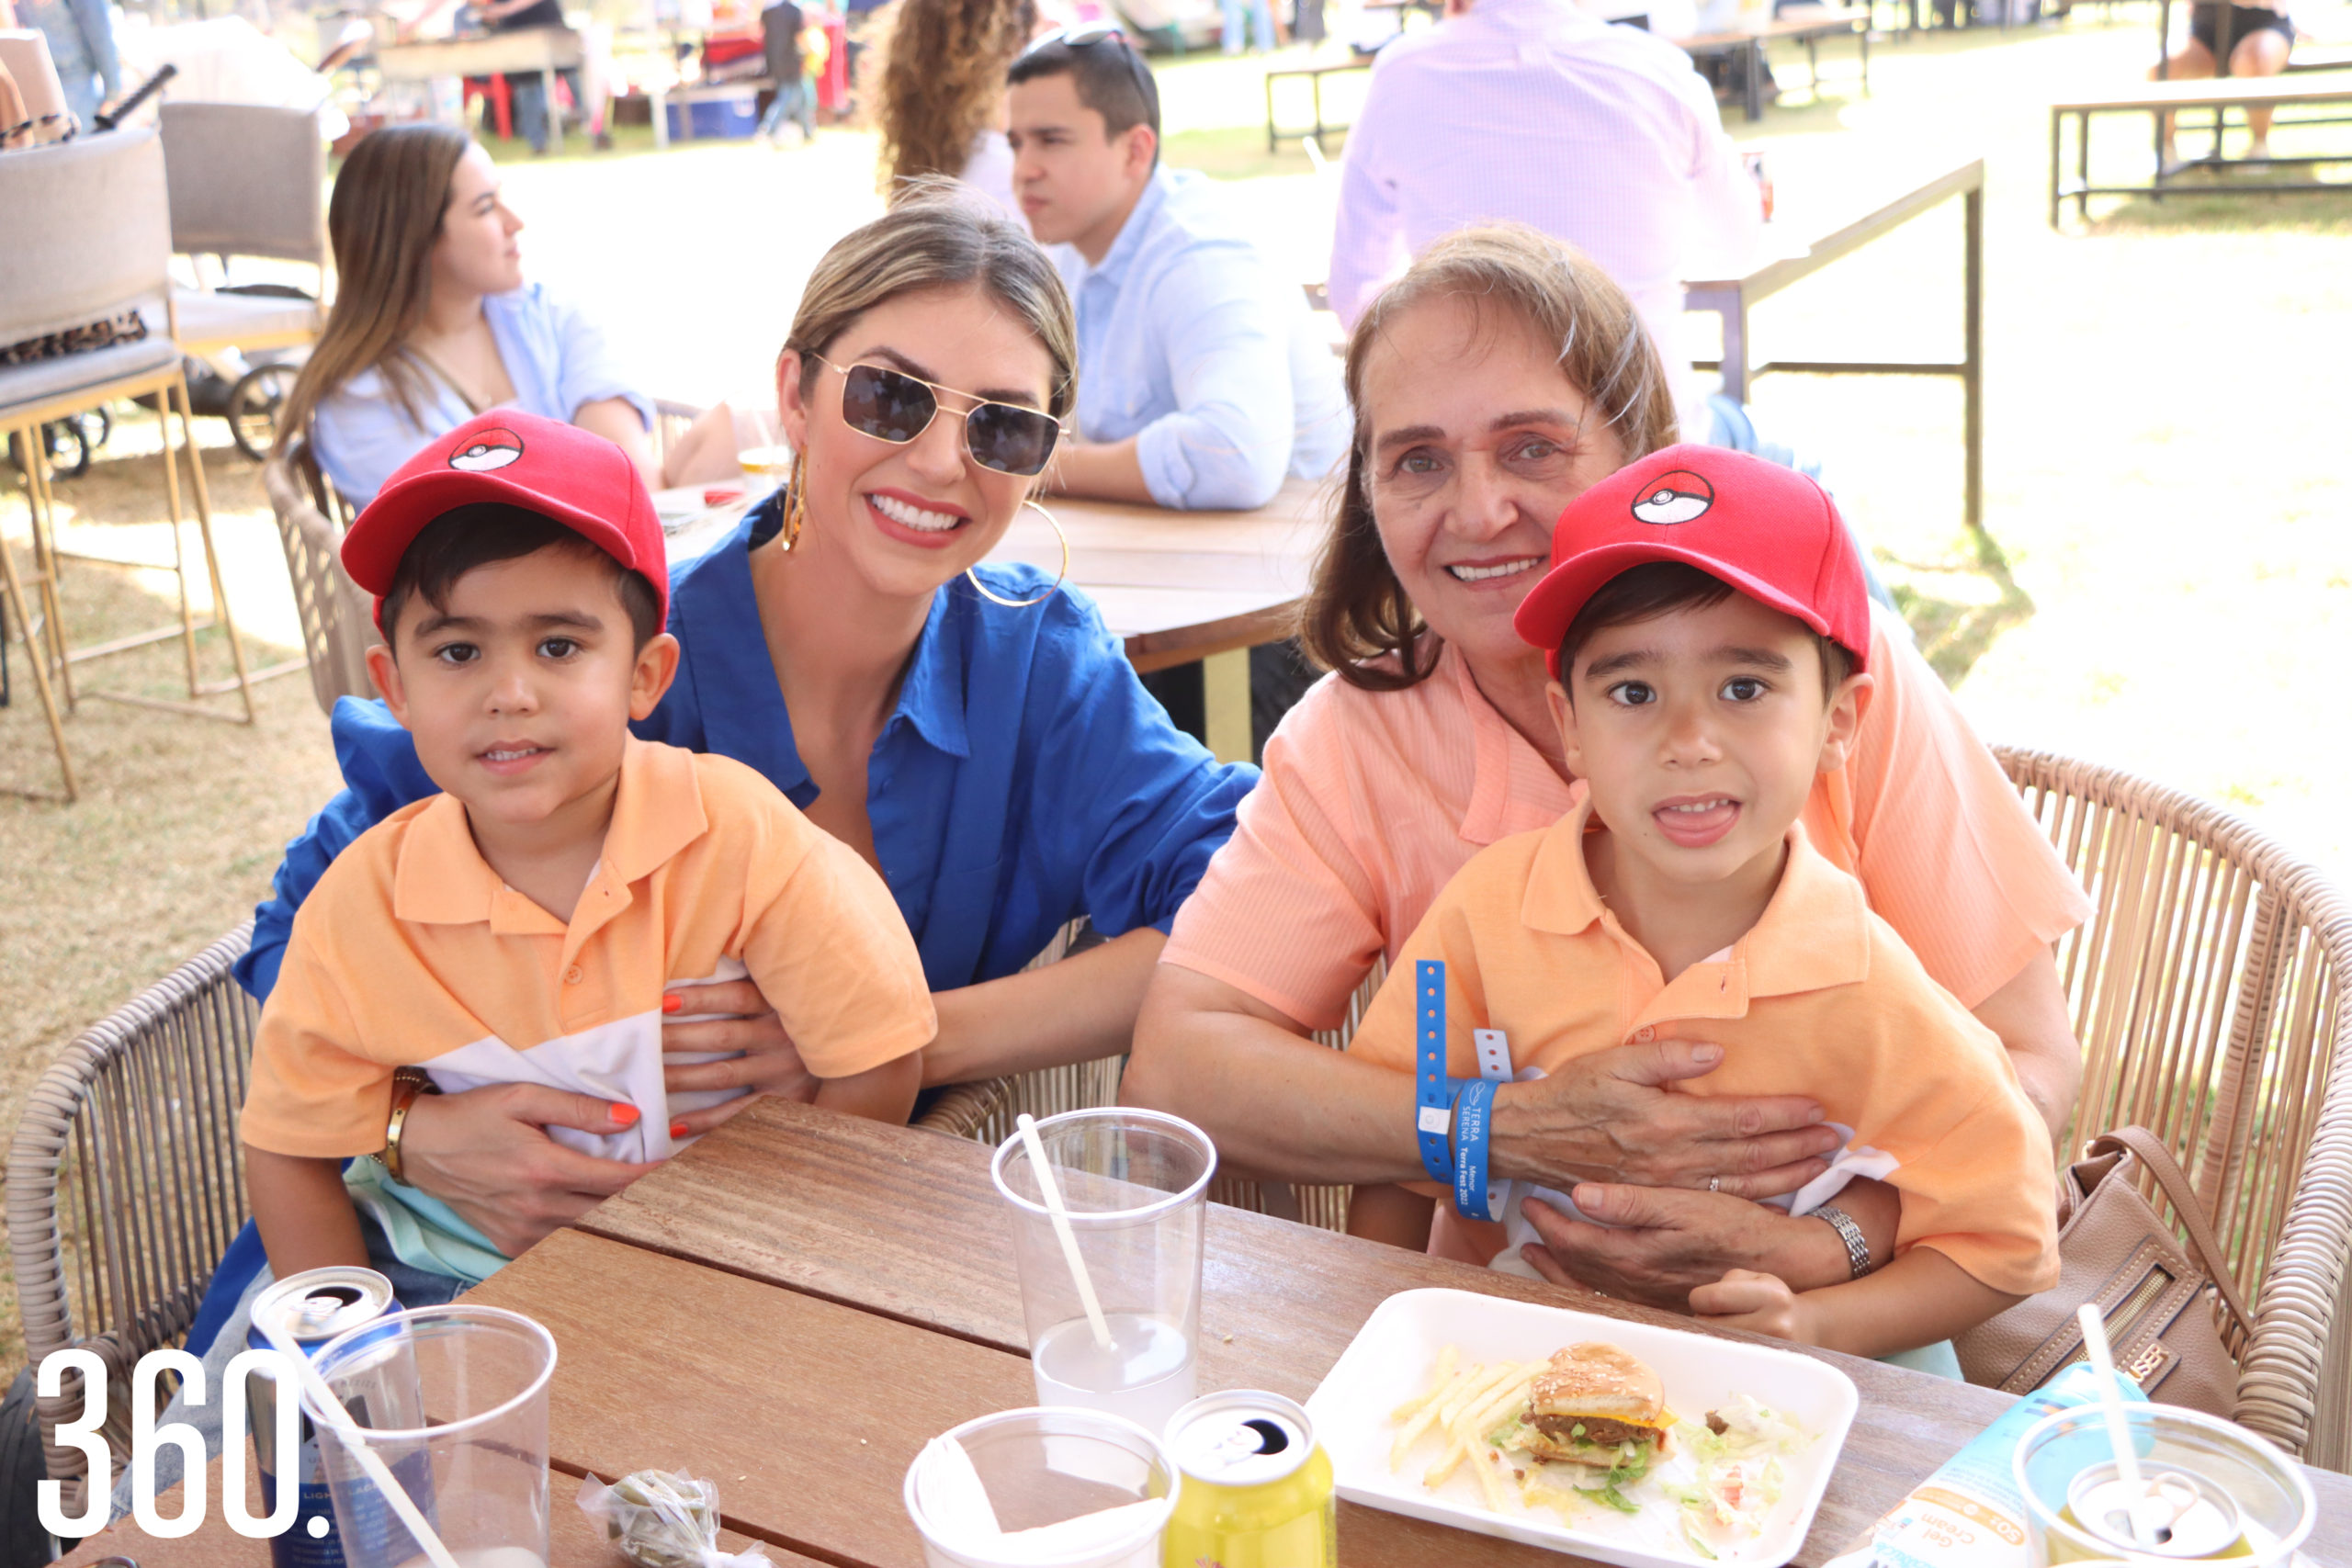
1821,998
1372,801
411,952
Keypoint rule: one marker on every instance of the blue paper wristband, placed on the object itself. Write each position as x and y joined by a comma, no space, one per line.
1432,1092
1472,1114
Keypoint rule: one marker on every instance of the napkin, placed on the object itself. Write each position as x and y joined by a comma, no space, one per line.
955,1507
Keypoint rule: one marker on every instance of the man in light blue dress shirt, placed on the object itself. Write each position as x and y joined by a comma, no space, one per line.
1202,379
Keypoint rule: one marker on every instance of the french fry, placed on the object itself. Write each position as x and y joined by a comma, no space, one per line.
1482,1461
1446,1360
1443,1470
1468,1428
1428,1415
1479,1387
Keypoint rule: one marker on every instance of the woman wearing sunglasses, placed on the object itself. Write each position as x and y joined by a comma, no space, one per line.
972,729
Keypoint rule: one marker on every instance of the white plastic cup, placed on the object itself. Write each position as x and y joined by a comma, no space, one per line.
2271,1494
1135,1186
454,1400
1043,1467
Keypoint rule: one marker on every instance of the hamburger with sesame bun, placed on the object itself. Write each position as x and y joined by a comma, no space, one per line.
1596,1405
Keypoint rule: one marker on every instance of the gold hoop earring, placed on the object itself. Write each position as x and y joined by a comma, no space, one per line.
982,588
795,501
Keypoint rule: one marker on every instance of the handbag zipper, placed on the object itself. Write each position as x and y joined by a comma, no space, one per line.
2125,1317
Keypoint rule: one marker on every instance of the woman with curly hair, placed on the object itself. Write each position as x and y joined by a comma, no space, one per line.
938,91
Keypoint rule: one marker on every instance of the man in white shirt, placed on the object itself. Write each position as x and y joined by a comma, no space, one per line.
1536,111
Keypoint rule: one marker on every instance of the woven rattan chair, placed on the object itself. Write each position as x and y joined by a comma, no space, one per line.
2207,991
124,1186
338,625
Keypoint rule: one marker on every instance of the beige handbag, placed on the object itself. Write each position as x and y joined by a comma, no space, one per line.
2169,1331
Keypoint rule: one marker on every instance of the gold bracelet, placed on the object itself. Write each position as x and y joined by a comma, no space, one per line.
407,1084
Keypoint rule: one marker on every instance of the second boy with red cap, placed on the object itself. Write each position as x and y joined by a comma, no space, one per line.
524,925
1706,625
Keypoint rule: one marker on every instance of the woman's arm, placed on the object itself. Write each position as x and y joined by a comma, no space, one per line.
1074,1011
1661,1243
486,1154
1284,1107
2028,1012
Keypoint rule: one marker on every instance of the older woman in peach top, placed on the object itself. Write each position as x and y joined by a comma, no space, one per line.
1495,381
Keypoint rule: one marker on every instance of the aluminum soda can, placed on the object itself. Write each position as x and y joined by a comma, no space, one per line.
311,1308
2196,1520
1256,1490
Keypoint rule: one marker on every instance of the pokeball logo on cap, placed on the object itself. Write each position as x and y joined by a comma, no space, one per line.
493,448
1674,497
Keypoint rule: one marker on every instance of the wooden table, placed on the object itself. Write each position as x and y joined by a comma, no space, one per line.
520,52
1807,25
795,1304
2158,99
1732,298
1184,586
1314,75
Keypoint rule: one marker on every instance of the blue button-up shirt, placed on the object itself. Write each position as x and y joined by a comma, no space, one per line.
1189,341
554,352
1025,778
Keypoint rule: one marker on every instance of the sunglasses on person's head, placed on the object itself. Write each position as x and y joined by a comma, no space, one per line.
1078,37
1088,33
893,406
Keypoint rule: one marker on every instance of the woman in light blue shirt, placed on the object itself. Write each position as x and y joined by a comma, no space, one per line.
433,324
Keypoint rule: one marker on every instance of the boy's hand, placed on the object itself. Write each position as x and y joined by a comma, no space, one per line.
486,1154
770,1062
1761,1304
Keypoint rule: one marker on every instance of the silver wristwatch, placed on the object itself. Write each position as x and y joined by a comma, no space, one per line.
1858,1251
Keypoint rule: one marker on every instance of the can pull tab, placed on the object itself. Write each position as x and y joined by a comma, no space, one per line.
2150,1517
1251,1439
321,1305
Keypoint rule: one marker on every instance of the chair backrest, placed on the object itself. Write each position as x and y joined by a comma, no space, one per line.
246,180
2207,990
338,624
124,1183
88,233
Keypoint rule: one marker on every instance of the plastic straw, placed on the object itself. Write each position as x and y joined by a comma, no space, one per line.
2119,1425
324,1404
1052,1194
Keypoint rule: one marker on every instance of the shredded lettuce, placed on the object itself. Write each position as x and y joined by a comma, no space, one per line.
1609,1495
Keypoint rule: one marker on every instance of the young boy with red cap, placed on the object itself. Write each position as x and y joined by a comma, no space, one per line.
1706,627
523,926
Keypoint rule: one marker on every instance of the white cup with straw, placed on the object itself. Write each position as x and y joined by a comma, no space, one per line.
1107,1210
433,1437
324,1406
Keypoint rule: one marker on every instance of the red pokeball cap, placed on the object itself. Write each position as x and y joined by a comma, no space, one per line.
559,470
1768,530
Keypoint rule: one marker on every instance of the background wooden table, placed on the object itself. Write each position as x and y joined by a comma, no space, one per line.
1177,586
518,52
794,1306
1853,226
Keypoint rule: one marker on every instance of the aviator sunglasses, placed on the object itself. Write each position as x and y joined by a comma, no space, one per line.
893,406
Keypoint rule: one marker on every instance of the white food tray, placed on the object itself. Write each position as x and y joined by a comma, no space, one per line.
1394,1355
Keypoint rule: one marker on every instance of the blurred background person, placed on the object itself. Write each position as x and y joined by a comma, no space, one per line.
2260,38
433,324
937,83
81,46
1639,173
787,66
